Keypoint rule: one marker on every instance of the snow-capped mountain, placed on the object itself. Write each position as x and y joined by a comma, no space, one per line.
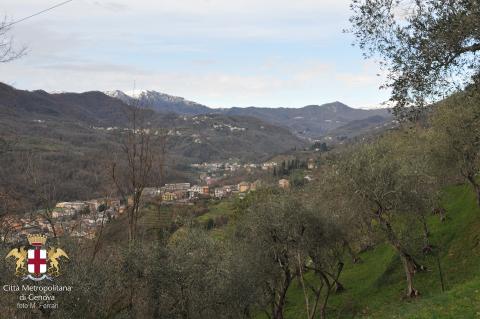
310,121
161,102
120,95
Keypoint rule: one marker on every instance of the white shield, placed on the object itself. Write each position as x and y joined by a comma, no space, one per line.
37,261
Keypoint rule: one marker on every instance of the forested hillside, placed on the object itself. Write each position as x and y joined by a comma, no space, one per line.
70,138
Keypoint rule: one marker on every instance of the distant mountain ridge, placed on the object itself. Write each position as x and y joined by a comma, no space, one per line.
312,121
87,118
161,102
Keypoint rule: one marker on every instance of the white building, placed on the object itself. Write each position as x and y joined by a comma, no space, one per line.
63,212
177,187
219,192
194,191
77,206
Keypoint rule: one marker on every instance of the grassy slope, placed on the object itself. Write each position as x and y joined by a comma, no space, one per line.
375,287
216,209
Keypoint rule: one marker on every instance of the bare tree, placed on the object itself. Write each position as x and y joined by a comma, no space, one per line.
8,197
8,52
44,187
9,201
139,163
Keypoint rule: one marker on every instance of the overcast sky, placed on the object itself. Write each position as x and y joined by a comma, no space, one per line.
220,53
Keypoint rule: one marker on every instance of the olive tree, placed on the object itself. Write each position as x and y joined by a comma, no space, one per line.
428,47
455,137
283,239
383,187
320,251
188,276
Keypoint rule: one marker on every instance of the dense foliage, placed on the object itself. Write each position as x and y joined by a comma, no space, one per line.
428,48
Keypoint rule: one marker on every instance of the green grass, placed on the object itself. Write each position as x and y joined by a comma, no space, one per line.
217,209
155,217
375,287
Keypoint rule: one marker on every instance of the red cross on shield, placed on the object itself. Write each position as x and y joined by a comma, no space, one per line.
37,261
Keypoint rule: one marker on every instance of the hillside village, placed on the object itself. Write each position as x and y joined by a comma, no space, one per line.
83,219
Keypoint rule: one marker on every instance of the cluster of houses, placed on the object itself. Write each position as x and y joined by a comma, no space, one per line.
233,166
83,218
78,219
185,192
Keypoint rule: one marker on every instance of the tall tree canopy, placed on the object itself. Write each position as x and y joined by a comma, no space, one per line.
428,47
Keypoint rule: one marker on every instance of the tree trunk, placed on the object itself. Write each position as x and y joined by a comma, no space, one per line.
52,224
440,271
410,269
427,248
96,247
280,305
476,188
329,285
477,192
338,285
409,263
355,258
304,289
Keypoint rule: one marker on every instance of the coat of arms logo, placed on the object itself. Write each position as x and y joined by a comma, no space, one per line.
37,263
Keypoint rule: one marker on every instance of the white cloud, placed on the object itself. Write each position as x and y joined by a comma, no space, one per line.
308,82
217,52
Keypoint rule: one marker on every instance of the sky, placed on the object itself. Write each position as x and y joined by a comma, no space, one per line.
221,53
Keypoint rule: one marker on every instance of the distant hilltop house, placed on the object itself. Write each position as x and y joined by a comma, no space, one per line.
209,180
77,206
169,197
194,191
151,191
181,193
255,185
268,165
95,204
177,187
232,166
243,187
284,183
197,191
69,209
205,190
219,192
229,189
63,212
